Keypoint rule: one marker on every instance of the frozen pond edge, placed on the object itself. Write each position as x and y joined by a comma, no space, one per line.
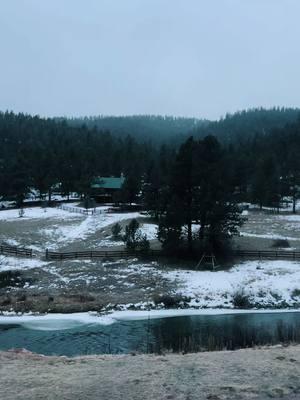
68,321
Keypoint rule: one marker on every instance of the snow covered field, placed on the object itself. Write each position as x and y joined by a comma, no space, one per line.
36,213
265,283
20,264
268,226
125,284
59,229
55,229
81,230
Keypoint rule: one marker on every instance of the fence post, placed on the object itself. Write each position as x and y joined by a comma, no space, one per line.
47,254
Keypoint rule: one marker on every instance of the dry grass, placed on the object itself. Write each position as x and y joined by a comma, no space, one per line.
243,374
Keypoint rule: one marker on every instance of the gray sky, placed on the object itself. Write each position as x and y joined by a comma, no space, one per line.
179,57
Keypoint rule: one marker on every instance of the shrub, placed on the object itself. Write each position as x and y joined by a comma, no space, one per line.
276,296
240,299
10,278
116,230
296,293
83,298
88,202
6,301
170,301
283,243
22,297
144,243
133,237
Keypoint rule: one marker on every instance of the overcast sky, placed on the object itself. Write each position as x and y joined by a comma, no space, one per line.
198,58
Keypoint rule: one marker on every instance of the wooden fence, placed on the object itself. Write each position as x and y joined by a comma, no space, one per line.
268,254
15,251
89,211
92,254
118,254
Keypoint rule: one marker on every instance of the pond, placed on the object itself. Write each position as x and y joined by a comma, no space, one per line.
178,333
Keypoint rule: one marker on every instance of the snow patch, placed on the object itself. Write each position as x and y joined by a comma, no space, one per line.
267,236
17,264
266,282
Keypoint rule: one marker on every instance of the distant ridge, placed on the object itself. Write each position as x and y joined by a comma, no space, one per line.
245,124
238,126
141,127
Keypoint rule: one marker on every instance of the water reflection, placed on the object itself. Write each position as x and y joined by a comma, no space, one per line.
187,334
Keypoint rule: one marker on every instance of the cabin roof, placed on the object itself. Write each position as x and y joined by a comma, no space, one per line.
108,182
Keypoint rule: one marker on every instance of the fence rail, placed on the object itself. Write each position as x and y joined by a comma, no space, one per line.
15,251
117,254
268,254
91,254
78,210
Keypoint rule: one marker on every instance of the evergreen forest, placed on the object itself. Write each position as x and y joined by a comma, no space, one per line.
182,170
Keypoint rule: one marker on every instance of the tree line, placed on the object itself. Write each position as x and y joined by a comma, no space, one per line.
163,129
193,189
40,153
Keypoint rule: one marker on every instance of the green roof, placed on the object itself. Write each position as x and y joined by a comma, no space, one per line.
108,183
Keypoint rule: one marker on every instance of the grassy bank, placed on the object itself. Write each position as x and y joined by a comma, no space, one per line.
243,374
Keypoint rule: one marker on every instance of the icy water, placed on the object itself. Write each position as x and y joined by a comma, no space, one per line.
184,333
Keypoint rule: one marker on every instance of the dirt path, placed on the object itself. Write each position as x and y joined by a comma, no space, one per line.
243,374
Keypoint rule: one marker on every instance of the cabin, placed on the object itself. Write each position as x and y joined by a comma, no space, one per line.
107,189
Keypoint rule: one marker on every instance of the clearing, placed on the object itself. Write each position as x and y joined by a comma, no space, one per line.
95,285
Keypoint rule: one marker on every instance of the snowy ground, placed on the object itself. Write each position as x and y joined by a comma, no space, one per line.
265,283
262,229
272,226
57,229
34,197
125,283
132,284
36,213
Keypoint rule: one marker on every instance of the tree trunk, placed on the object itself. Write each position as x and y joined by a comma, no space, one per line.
294,204
189,222
202,227
190,235
49,195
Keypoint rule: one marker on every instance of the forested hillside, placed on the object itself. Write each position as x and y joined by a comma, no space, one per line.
202,178
245,124
39,153
233,127
158,129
